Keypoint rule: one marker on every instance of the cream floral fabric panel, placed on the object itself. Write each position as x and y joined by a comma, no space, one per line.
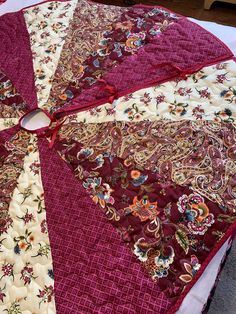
26,275
6,123
47,24
209,93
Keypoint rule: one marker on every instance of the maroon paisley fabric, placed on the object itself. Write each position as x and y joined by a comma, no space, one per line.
11,103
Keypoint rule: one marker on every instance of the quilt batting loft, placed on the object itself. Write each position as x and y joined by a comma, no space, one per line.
130,191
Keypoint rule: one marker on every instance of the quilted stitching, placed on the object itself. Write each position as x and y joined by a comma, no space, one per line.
94,272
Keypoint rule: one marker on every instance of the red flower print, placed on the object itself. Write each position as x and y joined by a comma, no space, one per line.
146,98
46,294
128,97
221,78
204,93
198,112
27,274
160,98
143,209
43,226
7,270
182,91
27,217
110,111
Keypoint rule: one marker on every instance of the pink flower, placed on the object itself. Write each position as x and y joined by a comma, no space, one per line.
204,93
160,98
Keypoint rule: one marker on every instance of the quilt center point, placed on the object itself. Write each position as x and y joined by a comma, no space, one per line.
35,120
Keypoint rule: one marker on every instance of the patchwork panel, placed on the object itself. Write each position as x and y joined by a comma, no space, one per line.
168,187
209,94
47,25
26,282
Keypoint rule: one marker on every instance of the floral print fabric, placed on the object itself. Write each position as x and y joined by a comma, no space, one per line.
26,275
47,26
209,94
76,50
164,185
111,36
12,106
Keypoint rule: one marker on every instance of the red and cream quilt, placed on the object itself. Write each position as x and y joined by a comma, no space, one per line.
122,201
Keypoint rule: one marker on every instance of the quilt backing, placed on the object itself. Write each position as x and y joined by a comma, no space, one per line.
130,191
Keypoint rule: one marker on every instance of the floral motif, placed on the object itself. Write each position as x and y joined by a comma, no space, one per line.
27,217
101,191
14,308
196,213
47,25
2,294
23,242
178,108
158,28
221,78
134,41
198,112
157,262
7,270
7,90
191,269
225,115
139,252
44,250
46,294
27,274
145,98
44,227
187,102
133,113
138,178
12,104
143,209
5,221
229,95
34,167
163,263
204,93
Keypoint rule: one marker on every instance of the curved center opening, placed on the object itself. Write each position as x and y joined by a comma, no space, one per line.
35,120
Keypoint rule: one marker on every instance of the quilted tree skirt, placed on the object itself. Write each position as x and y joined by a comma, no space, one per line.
122,199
